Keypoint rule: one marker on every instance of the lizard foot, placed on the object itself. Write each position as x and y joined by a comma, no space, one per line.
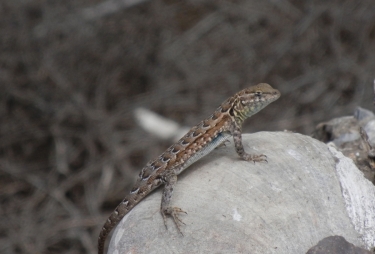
173,211
255,158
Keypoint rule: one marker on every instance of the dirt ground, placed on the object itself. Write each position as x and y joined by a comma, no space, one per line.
72,73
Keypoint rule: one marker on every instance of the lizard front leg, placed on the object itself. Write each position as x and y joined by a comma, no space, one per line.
170,180
237,138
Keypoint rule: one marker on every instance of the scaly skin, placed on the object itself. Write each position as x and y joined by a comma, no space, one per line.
226,121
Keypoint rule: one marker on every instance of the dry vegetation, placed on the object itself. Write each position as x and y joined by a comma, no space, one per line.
70,78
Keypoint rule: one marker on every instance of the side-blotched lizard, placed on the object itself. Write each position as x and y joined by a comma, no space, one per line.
226,121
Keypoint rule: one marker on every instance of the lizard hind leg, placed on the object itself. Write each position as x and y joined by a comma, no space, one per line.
170,180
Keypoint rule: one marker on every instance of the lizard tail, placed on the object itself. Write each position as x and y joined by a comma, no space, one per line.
135,196
101,240
121,210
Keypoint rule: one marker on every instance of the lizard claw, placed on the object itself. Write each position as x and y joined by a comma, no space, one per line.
255,158
174,211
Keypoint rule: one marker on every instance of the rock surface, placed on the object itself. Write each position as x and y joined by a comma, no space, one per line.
302,195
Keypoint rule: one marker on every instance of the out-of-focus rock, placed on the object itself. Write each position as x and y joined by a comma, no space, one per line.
354,136
336,245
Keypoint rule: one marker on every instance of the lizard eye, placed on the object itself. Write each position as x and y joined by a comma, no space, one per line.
258,93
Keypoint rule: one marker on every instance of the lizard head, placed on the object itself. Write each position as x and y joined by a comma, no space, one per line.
253,99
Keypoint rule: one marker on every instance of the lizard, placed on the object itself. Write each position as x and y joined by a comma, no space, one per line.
226,121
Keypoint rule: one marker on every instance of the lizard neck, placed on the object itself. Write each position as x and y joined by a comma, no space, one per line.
240,113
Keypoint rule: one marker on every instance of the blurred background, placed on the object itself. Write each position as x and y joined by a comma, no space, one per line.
72,73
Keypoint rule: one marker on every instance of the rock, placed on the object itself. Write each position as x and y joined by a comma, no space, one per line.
354,136
336,245
307,191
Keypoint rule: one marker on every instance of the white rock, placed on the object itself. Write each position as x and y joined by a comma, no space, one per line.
304,193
